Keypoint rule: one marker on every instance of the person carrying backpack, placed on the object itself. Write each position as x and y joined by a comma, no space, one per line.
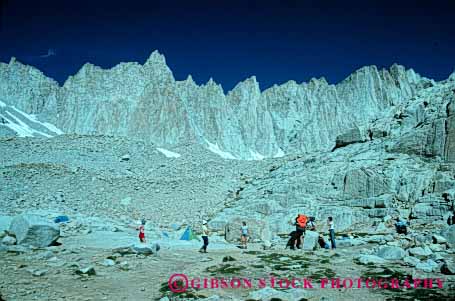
300,224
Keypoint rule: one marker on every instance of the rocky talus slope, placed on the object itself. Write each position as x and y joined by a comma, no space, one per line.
146,101
400,164
115,177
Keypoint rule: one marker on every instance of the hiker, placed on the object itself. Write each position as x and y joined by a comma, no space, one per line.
401,226
244,234
141,229
296,236
331,231
291,241
205,237
322,243
311,225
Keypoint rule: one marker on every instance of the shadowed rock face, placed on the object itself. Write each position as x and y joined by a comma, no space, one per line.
145,101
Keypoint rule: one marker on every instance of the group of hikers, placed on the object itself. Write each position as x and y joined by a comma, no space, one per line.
301,223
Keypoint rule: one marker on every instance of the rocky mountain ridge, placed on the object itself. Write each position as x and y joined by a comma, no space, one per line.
246,123
401,164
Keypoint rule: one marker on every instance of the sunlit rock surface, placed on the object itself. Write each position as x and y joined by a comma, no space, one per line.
146,101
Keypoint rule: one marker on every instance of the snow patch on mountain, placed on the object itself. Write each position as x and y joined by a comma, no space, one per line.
214,148
168,153
255,155
25,125
279,153
21,128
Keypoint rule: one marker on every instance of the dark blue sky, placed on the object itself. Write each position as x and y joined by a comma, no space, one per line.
231,40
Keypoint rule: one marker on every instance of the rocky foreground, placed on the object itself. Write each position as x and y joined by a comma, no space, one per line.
100,266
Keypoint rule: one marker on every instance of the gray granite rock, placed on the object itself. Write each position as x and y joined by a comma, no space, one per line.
89,271
370,259
411,261
420,252
438,239
391,252
8,241
310,241
427,266
34,230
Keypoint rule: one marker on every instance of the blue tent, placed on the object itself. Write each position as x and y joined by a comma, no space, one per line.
61,219
188,234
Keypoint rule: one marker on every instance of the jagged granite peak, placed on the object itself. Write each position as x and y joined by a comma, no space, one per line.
156,58
146,101
189,79
29,90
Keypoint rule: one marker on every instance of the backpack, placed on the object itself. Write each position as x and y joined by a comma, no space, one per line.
301,221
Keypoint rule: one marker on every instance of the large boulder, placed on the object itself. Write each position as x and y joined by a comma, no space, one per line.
438,247
370,259
34,230
8,241
146,249
420,252
391,252
411,261
139,248
310,241
427,266
438,239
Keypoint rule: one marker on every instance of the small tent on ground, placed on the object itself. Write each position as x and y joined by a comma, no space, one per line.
188,234
61,219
